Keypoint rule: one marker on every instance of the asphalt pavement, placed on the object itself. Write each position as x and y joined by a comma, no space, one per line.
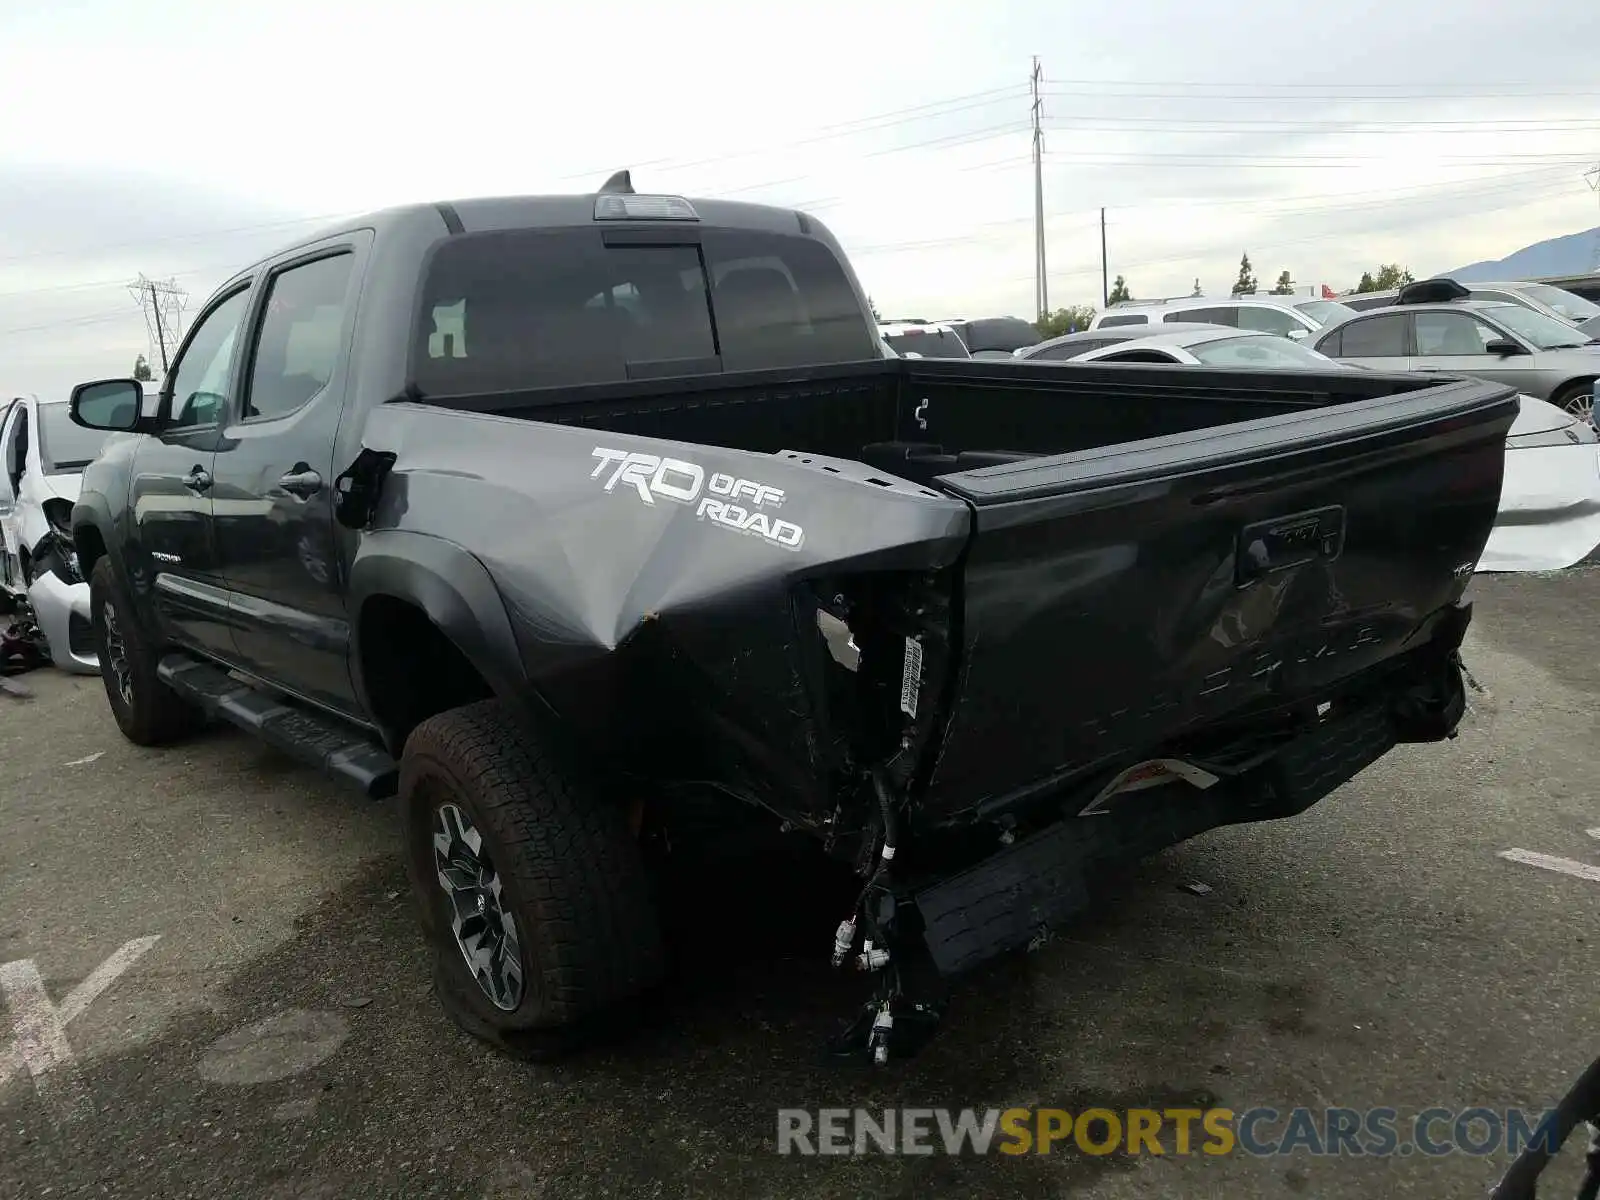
214,986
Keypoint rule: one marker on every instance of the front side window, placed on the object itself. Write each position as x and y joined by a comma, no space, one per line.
1124,319
1374,337
200,379
1267,320
301,331
1450,334
1074,349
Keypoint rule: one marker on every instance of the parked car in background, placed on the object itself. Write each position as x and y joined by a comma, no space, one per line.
1215,348
1586,285
1435,326
993,333
1549,511
1542,298
923,339
1075,345
1264,314
44,454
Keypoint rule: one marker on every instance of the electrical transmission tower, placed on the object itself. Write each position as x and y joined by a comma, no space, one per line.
162,302
1041,290
1592,178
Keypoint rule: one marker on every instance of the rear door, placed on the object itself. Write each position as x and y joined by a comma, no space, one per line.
1115,597
274,472
1379,343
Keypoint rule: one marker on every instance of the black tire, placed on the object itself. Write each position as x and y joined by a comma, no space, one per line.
148,712
569,870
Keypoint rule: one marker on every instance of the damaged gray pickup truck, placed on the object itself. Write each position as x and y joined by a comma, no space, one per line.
567,520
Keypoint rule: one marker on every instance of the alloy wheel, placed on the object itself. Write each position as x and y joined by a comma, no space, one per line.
480,915
117,654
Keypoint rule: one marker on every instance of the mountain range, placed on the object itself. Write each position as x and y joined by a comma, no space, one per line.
1574,254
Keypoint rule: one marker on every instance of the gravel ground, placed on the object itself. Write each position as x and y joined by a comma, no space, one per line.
265,1026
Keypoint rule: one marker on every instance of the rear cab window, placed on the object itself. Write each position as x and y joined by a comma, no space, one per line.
528,308
1124,319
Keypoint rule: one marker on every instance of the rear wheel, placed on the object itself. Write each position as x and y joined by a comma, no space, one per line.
146,710
531,890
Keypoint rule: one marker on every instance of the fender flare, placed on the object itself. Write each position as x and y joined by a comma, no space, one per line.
452,587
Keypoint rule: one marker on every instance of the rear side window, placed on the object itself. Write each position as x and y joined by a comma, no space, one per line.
1374,337
1128,319
521,309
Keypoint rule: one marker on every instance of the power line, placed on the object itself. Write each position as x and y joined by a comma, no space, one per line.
1102,91
1278,209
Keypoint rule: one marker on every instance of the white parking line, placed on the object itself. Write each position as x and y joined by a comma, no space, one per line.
1594,833
1548,862
39,1028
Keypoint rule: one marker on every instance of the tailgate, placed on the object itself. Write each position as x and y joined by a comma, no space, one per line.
1116,597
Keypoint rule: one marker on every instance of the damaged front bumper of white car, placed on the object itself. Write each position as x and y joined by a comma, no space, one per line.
61,610
1549,516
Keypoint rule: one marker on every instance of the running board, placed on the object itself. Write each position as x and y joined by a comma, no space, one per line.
303,734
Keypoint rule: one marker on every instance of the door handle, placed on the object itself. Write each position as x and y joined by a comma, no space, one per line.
302,482
197,480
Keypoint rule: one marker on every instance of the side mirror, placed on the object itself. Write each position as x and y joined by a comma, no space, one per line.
1298,334
1504,347
110,404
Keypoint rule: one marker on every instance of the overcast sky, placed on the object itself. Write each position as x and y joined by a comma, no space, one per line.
182,138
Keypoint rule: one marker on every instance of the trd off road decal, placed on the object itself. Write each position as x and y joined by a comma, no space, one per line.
720,498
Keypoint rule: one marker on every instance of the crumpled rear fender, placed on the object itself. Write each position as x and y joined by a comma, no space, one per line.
654,589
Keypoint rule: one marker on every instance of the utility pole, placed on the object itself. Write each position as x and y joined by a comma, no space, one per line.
1105,286
162,302
1041,289
1592,178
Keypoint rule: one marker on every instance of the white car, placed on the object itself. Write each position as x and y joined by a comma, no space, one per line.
44,455
1549,516
1282,315
923,339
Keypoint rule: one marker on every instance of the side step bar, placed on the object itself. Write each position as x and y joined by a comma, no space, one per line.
311,737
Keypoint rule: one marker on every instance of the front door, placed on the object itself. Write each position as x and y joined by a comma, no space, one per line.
1455,341
274,474
171,560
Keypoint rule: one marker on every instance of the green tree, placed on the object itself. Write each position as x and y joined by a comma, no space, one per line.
1065,320
1284,286
141,369
876,315
1119,291
1246,283
1390,275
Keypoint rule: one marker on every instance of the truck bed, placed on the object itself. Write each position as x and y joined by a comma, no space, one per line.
1134,557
